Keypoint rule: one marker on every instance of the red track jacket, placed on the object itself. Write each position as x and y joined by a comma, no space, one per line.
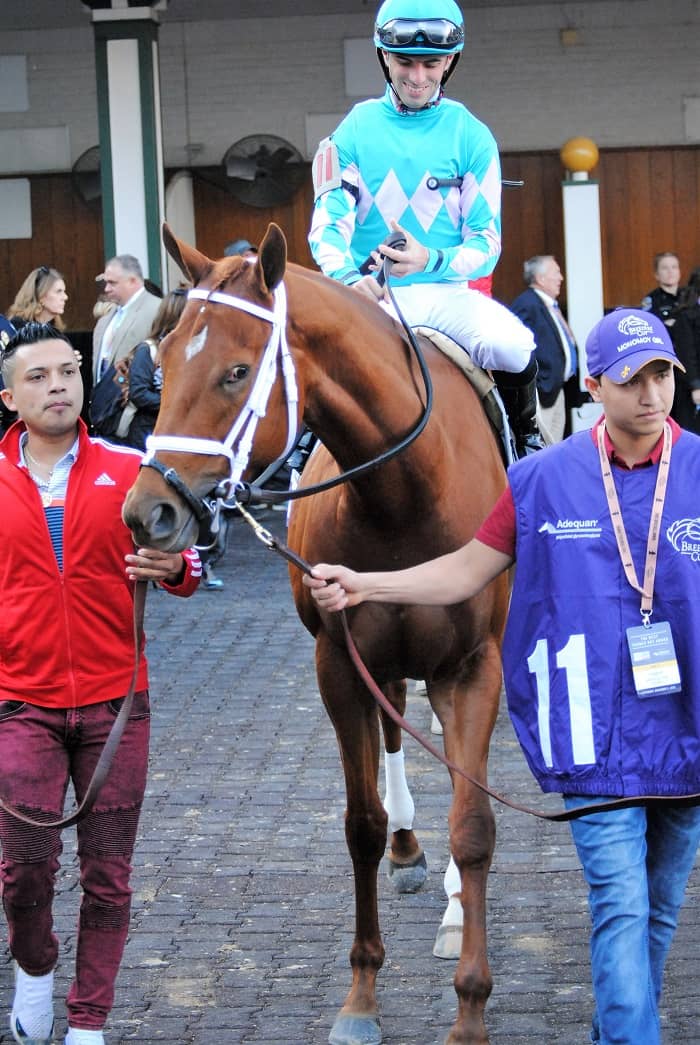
66,638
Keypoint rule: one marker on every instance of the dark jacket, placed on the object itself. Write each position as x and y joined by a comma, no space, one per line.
685,333
549,353
144,393
660,302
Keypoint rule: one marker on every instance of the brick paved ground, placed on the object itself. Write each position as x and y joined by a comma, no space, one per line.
243,894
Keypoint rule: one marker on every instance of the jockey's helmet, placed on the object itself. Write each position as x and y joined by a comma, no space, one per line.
413,27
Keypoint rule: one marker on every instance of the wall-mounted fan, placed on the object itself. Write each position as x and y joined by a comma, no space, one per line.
86,175
263,170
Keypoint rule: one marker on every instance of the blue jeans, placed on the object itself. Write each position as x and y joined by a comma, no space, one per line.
636,863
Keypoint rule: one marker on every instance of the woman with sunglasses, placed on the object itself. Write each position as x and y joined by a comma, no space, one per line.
419,163
41,299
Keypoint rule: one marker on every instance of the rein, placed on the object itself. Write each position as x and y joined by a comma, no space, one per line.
104,762
274,544
230,492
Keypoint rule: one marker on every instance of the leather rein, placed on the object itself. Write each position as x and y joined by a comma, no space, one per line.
236,493
274,544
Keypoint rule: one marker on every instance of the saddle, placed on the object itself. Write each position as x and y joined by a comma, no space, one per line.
482,383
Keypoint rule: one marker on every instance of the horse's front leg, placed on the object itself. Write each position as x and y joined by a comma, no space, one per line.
407,865
354,716
472,837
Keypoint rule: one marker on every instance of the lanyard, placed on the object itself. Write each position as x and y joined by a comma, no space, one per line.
647,592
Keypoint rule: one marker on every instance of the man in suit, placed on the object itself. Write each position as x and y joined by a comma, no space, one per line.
130,321
555,347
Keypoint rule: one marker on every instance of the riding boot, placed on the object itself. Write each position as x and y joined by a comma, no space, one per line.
519,395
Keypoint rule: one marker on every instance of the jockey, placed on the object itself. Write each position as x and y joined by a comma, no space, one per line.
416,162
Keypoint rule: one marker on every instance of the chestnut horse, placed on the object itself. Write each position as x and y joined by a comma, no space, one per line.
359,389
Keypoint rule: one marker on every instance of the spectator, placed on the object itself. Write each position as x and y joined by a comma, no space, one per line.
555,346
41,299
686,338
67,596
130,321
605,702
144,373
423,159
664,298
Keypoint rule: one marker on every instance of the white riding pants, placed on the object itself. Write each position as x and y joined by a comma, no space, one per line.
493,336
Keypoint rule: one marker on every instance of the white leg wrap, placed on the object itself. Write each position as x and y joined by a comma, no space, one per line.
454,915
398,802
452,881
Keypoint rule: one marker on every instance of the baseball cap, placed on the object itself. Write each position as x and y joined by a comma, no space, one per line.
626,340
239,246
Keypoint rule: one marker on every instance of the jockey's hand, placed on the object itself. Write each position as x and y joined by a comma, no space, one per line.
334,588
413,258
369,288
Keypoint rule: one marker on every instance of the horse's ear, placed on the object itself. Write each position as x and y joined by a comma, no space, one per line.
193,264
272,256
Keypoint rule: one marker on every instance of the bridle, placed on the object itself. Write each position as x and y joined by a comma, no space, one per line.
237,446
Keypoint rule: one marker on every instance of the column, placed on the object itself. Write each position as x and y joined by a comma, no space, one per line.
131,145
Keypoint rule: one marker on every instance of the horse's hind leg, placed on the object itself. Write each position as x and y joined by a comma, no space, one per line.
406,861
354,716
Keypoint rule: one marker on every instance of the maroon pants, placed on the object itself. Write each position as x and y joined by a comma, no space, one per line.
41,751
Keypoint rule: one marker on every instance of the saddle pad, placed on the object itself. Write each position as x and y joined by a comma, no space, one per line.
481,380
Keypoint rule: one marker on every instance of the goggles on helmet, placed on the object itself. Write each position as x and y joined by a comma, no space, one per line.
437,33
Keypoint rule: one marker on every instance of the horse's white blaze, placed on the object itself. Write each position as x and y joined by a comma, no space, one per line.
196,344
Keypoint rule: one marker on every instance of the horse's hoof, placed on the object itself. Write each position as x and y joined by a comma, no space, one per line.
408,878
448,942
355,1030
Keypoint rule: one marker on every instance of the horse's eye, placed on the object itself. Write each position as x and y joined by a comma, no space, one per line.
236,373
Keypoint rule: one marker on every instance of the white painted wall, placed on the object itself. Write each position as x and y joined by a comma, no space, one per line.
625,83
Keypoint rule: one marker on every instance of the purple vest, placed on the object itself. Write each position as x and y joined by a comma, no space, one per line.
571,696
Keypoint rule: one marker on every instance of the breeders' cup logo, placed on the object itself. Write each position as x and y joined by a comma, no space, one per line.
635,326
684,536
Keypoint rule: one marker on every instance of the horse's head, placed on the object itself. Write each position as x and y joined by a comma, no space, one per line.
220,365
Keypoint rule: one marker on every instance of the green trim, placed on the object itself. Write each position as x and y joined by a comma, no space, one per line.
136,30
145,33
150,159
109,235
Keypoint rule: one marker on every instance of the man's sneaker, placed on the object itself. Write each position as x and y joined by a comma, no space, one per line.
76,1036
209,580
31,1019
24,1039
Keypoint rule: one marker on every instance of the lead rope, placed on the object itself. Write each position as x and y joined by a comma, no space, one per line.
104,762
274,544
